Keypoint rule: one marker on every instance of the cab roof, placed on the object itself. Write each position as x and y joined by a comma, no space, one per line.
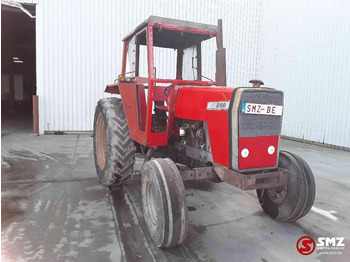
170,38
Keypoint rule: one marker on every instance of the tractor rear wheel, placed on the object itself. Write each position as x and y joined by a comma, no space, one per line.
293,201
164,202
113,147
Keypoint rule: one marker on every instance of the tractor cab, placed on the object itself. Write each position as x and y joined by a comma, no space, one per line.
158,39
146,86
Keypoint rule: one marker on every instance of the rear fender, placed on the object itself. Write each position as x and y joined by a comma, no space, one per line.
112,89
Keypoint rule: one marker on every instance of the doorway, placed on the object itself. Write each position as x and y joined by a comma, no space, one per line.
18,67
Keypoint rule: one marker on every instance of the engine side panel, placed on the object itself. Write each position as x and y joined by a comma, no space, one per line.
191,103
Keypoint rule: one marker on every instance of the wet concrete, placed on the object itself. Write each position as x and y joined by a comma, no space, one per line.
227,224
57,221
79,220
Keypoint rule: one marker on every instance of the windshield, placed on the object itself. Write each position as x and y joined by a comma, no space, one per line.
199,61
198,56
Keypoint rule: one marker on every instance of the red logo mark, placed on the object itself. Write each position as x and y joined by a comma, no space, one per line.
306,245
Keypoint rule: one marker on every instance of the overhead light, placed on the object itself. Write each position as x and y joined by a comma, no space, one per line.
18,61
15,58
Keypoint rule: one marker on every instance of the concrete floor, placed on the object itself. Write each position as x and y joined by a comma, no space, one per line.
53,209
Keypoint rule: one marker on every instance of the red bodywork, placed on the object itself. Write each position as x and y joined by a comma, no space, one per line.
257,147
187,100
192,104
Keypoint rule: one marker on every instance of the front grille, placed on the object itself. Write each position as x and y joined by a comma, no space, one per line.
260,125
254,131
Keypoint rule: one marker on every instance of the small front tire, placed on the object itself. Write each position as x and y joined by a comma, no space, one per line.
293,201
164,202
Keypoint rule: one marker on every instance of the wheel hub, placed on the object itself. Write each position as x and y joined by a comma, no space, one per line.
277,194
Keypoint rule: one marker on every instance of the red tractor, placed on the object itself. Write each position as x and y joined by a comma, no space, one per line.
193,129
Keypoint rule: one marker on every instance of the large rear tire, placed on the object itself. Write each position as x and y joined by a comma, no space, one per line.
293,201
113,147
164,202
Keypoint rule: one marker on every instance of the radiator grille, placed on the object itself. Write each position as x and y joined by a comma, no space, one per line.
260,125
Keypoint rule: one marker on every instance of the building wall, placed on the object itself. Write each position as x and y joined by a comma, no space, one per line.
304,50
300,48
79,49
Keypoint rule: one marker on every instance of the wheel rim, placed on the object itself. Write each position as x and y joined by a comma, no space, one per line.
277,194
151,203
101,142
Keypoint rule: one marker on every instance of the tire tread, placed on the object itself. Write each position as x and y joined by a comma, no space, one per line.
121,148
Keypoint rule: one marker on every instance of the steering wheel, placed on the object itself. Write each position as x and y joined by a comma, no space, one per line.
167,90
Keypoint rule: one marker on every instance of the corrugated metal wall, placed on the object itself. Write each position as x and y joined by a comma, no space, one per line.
301,48
79,49
304,50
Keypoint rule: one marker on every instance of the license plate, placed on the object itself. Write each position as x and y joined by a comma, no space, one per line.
262,109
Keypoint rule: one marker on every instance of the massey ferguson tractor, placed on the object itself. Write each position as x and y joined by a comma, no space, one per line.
197,129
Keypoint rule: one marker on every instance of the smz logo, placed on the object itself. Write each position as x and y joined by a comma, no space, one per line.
330,241
306,245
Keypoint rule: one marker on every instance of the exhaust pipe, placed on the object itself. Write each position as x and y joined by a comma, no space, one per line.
220,76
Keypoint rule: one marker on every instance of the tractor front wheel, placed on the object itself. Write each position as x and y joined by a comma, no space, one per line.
113,147
164,202
294,200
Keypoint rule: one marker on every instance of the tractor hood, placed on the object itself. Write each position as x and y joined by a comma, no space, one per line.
196,102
